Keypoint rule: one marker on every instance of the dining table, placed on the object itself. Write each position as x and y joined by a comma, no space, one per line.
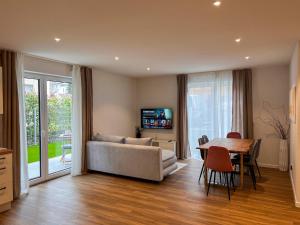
237,146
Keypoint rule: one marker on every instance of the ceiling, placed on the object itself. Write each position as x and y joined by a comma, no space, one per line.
169,36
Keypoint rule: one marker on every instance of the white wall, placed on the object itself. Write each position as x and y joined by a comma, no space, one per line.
295,127
155,92
270,84
114,104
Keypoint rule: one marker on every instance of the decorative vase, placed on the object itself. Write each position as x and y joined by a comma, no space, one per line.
283,155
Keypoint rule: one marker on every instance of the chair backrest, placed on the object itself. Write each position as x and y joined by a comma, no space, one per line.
257,146
255,152
205,138
201,142
218,159
235,135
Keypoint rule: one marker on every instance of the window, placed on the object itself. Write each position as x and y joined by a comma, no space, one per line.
209,106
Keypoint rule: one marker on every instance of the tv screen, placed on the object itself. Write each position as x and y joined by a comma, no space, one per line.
157,118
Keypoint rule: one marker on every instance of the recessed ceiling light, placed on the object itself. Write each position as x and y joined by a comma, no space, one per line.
247,57
57,39
148,68
238,40
117,58
217,3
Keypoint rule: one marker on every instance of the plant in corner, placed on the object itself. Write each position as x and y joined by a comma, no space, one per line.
278,120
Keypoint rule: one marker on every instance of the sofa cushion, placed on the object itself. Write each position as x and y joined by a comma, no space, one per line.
169,162
109,138
138,141
167,154
169,169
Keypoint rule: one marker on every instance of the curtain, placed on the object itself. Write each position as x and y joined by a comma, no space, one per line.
23,142
209,106
242,112
182,150
87,112
76,121
11,134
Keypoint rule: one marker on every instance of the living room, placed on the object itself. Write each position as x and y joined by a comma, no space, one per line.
114,98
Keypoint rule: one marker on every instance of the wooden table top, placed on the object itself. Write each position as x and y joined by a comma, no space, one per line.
233,145
4,151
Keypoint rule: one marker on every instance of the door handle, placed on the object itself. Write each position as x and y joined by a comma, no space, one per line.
3,168
3,188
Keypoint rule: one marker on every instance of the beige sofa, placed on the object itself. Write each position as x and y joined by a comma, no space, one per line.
146,162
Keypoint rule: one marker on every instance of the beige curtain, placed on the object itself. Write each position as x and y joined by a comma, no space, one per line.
87,112
11,129
242,112
182,150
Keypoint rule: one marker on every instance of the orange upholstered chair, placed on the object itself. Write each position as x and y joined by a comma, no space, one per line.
218,160
235,135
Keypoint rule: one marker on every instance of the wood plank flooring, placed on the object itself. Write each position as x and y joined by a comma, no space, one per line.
179,199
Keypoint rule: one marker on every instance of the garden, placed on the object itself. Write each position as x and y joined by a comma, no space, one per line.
59,124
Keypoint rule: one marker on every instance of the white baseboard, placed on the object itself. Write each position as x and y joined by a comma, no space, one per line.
268,165
297,203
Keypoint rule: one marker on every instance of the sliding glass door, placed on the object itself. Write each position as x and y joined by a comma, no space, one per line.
48,103
209,107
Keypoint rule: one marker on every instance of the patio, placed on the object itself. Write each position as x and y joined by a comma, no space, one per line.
55,164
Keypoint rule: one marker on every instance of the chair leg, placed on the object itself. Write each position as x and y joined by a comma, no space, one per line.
201,173
209,183
215,178
232,180
257,168
253,176
220,177
228,186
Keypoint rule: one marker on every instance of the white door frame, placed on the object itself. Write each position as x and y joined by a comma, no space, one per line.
43,78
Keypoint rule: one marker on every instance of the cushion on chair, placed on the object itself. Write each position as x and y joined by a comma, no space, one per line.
169,162
108,138
167,154
169,169
138,141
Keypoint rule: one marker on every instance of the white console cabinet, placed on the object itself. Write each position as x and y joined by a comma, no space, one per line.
6,179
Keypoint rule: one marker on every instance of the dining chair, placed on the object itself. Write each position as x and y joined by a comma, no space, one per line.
250,161
218,160
201,142
256,156
235,135
205,138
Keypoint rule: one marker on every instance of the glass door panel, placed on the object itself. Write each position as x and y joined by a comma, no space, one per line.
32,114
59,108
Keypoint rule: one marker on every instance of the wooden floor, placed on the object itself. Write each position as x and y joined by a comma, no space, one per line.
179,199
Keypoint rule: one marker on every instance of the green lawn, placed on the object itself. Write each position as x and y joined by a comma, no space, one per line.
54,149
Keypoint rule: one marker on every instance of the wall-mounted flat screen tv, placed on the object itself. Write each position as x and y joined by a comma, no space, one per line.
157,118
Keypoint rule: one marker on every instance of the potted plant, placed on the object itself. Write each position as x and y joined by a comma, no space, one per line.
138,132
278,119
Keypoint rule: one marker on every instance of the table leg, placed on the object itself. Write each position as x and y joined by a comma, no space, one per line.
205,170
241,170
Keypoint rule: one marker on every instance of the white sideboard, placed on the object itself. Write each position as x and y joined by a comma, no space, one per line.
165,144
6,179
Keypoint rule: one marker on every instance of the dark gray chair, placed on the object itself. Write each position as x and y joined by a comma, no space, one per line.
250,161
201,142
246,158
205,138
